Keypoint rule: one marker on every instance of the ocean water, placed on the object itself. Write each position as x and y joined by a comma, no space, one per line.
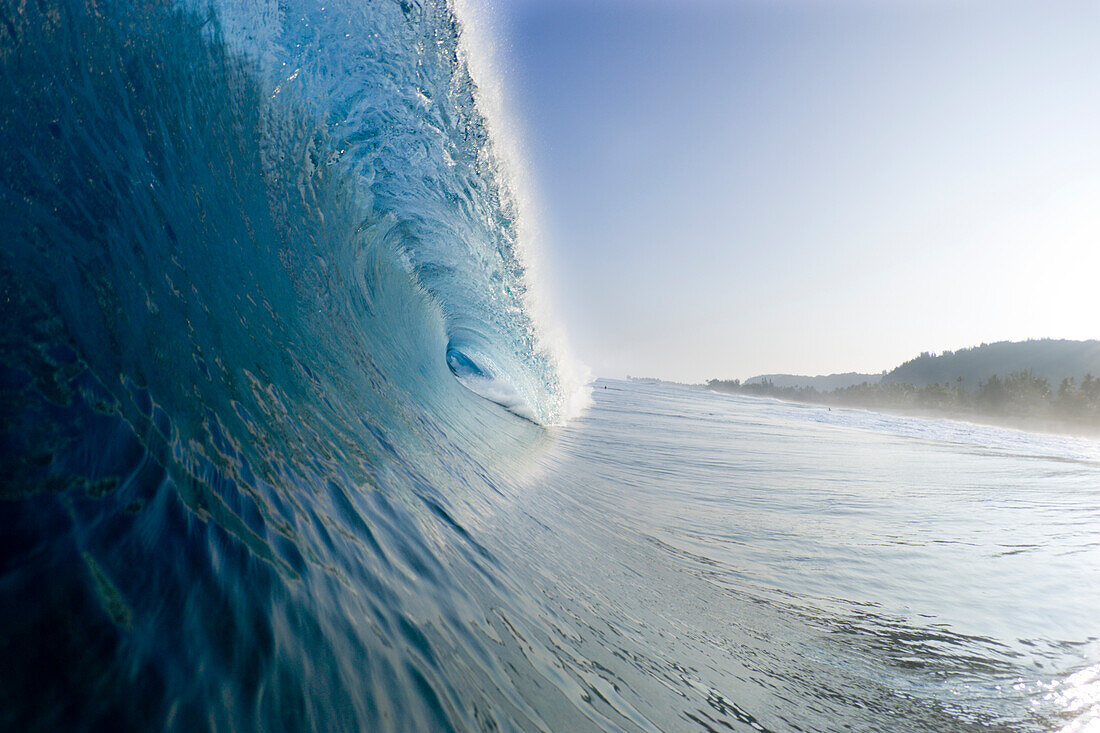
285,445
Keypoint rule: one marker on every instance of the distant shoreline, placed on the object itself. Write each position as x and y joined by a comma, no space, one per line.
1039,385
1027,424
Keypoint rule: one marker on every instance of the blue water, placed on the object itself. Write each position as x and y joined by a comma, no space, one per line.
284,446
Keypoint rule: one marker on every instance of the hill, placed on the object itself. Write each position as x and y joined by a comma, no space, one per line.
822,383
1049,359
1043,384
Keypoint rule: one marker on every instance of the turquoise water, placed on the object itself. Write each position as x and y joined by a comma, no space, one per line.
286,447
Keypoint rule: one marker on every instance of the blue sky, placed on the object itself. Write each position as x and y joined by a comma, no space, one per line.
730,188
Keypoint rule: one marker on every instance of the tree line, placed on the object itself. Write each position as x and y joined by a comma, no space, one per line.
1017,395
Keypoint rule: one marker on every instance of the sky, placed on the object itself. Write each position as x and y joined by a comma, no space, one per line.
724,189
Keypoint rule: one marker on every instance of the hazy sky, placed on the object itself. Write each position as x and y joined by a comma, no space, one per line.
730,188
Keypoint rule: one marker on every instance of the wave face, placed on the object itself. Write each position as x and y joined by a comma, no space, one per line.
247,249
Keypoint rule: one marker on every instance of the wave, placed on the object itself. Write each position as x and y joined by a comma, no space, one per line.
261,264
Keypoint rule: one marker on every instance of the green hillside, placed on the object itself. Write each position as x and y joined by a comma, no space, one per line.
1049,359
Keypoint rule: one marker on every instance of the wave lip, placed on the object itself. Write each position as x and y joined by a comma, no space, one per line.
569,380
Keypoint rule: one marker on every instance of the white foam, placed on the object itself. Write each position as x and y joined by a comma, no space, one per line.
501,393
477,46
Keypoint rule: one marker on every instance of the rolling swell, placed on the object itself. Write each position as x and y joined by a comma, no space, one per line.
239,245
